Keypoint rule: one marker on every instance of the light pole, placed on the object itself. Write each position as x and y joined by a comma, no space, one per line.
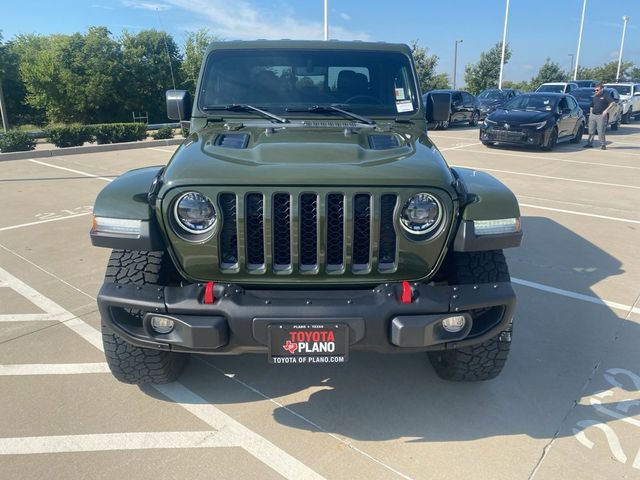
455,62
504,44
571,55
584,8
326,20
625,19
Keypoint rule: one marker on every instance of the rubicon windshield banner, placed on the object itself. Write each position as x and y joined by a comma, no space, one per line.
308,343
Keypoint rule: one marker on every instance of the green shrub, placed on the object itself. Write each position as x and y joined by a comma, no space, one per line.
69,135
118,132
163,133
16,141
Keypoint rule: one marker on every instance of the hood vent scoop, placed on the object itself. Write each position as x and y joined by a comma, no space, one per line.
232,140
383,142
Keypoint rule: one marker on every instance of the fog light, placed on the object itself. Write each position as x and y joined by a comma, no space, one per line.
162,325
454,324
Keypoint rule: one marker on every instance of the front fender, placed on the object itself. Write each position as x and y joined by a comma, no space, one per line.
127,198
487,199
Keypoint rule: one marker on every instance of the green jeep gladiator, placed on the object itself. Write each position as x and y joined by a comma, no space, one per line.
307,215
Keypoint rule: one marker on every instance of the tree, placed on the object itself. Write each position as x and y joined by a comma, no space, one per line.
523,86
426,69
486,73
634,74
152,61
549,72
195,46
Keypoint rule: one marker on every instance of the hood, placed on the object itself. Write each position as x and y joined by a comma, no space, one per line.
490,102
516,117
302,155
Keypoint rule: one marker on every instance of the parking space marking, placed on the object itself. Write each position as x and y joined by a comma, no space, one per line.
113,441
39,222
577,296
459,146
53,369
162,150
591,182
554,159
439,136
91,175
238,434
572,212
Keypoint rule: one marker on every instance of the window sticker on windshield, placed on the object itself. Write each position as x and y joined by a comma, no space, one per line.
404,106
400,94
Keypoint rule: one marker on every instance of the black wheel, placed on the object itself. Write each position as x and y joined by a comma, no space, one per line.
485,360
129,363
615,126
626,117
577,138
444,125
474,119
553,139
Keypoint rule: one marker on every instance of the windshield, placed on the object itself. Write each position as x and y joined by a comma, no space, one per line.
583,93
622,89
551,88
585,83
282,80
492,94
539,103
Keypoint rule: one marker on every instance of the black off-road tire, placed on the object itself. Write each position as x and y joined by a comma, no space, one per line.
552,141
485,360
127,362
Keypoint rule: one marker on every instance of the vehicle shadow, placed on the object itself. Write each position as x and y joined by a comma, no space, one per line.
550,373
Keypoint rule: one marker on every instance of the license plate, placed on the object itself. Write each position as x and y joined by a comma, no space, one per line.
309,344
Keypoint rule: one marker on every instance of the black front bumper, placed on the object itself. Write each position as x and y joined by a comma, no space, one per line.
514,137
238,320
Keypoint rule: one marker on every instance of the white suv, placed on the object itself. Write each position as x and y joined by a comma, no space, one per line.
629,99
557,87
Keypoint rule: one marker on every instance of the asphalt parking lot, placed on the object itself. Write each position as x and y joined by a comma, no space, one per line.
566,406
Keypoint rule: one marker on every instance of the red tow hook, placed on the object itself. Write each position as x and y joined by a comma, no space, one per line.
208,293
407,293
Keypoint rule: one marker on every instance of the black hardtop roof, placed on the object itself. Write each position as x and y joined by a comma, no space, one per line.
309,45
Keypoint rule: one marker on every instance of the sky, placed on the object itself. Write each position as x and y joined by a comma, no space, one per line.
537,29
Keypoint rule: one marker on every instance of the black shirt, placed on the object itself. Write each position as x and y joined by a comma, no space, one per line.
600,102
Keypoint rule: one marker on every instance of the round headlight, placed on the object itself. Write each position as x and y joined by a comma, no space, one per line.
195,213
421,214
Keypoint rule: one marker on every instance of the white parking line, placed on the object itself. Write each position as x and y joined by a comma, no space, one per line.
91,175
441,136
67,217
236,433
162,149
459,146
577,296
573,212
564,179
53,369
553,159
112,441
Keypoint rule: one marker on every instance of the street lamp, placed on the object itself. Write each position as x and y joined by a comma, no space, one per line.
455,62
625,19
571,55
504,44
584,8
326,20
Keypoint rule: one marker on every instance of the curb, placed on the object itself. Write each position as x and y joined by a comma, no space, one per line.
110,147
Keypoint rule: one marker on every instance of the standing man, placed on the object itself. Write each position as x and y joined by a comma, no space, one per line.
601,102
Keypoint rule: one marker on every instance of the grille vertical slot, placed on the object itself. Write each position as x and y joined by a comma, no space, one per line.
254,224
387,239
229,233
361,232
308,237
281,228
335,232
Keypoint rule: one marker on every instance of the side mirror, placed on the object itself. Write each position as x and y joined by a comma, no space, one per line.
178,104
438,107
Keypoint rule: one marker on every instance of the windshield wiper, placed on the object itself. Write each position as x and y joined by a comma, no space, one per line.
242,107
333,108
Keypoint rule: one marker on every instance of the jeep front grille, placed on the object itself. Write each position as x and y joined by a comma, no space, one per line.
307,232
